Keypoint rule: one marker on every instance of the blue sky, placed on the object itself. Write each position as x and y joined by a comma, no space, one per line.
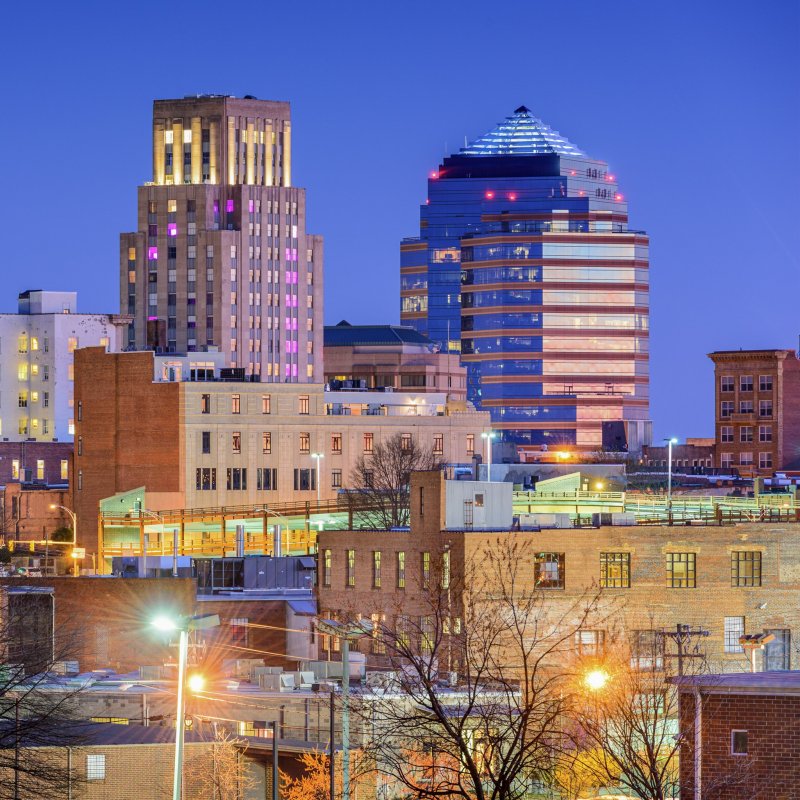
694,106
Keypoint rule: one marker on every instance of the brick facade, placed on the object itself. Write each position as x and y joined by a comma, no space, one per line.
768,714
647,604
757,410
26,512
43,462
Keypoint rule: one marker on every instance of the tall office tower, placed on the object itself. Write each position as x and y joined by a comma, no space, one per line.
221,259
525,264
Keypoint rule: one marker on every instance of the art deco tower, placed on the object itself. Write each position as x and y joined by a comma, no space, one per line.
526,265
221,258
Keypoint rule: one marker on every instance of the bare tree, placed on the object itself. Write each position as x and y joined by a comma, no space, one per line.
479,681
630,723
379,493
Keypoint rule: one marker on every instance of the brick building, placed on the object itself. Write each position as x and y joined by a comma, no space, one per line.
26,513
757,410
748,736
200,443
394,356
727,579
692,456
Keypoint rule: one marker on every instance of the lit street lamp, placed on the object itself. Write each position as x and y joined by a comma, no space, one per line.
318,457
74,517
669,442
596,679
347,633
184,625
489,437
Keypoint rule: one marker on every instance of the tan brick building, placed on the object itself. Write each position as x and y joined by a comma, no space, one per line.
757,410
727,579
220,258
204,443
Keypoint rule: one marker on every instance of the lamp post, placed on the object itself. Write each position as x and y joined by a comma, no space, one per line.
347,633
318,458
489,437
74,517
669,442
184,625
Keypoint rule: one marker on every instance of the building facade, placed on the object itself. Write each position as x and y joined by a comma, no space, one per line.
747,734
221,258
36,366
201,443
757,411
396,357
526,265
729,580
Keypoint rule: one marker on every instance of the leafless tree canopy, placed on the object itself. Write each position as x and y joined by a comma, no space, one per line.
219,773
379,494
473,704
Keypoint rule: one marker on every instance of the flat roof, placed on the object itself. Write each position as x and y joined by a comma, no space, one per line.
774,682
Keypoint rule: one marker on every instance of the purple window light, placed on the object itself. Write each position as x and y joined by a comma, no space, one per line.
250,206
294,370
152,253
172,229
229,206
152,319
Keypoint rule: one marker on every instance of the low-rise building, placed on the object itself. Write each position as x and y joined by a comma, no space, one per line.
739,736
33,512
757,410
196,436
728,579
694,456
36,366
394,357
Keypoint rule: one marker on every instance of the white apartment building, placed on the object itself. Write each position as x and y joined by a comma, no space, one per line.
36,363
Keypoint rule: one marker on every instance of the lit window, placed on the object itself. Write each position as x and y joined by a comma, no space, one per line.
34,343
266,404
615,570
305,442
72,344
71,371
303,404
15,469
131,254
172,206
235,404
376,569
681,570
39,469
236,441
746,568
22,343
22,372
266,442
104,341
401,570
350,581
549,570
64,469
71,427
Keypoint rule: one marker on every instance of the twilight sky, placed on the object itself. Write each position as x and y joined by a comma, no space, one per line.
693,104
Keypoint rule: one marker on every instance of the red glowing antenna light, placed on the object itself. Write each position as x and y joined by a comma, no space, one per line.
428,202
490,195
581,193
434,175
573,172
618,196
611,177
512,196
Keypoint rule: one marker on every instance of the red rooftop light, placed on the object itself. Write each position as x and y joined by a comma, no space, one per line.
434,175
573,172
512,196
490,195
618,196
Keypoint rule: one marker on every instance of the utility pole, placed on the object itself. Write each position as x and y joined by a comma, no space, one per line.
683,636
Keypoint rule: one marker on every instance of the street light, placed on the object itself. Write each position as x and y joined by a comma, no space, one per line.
669,442
596,679
74,517
488,437
318,457
184,625
346,633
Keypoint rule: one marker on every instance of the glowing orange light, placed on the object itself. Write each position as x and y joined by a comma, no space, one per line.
490,195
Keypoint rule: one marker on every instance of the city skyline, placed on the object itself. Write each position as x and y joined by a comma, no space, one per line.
703,142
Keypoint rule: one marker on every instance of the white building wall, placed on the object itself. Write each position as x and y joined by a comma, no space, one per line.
36,363
478,504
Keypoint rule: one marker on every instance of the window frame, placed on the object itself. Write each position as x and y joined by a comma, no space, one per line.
690,581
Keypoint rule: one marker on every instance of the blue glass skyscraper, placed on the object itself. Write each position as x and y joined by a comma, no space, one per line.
525,264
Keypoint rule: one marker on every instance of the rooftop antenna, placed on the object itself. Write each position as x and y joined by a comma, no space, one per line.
465,142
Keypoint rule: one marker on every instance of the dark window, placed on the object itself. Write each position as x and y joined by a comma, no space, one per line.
777,653
745,568
305,480
615,570
647,650
681,571
549,570
237,478
267,479
739,743
206,479
206,435
590,643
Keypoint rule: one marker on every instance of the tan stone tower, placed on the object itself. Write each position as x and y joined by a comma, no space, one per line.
221,258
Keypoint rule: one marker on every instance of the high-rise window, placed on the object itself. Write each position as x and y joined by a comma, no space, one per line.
438,443
266,404
205,403
470,444
401,570
369,440
305,442
266,442
336,443
206,442
350,577
303,404
236,441
236,401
